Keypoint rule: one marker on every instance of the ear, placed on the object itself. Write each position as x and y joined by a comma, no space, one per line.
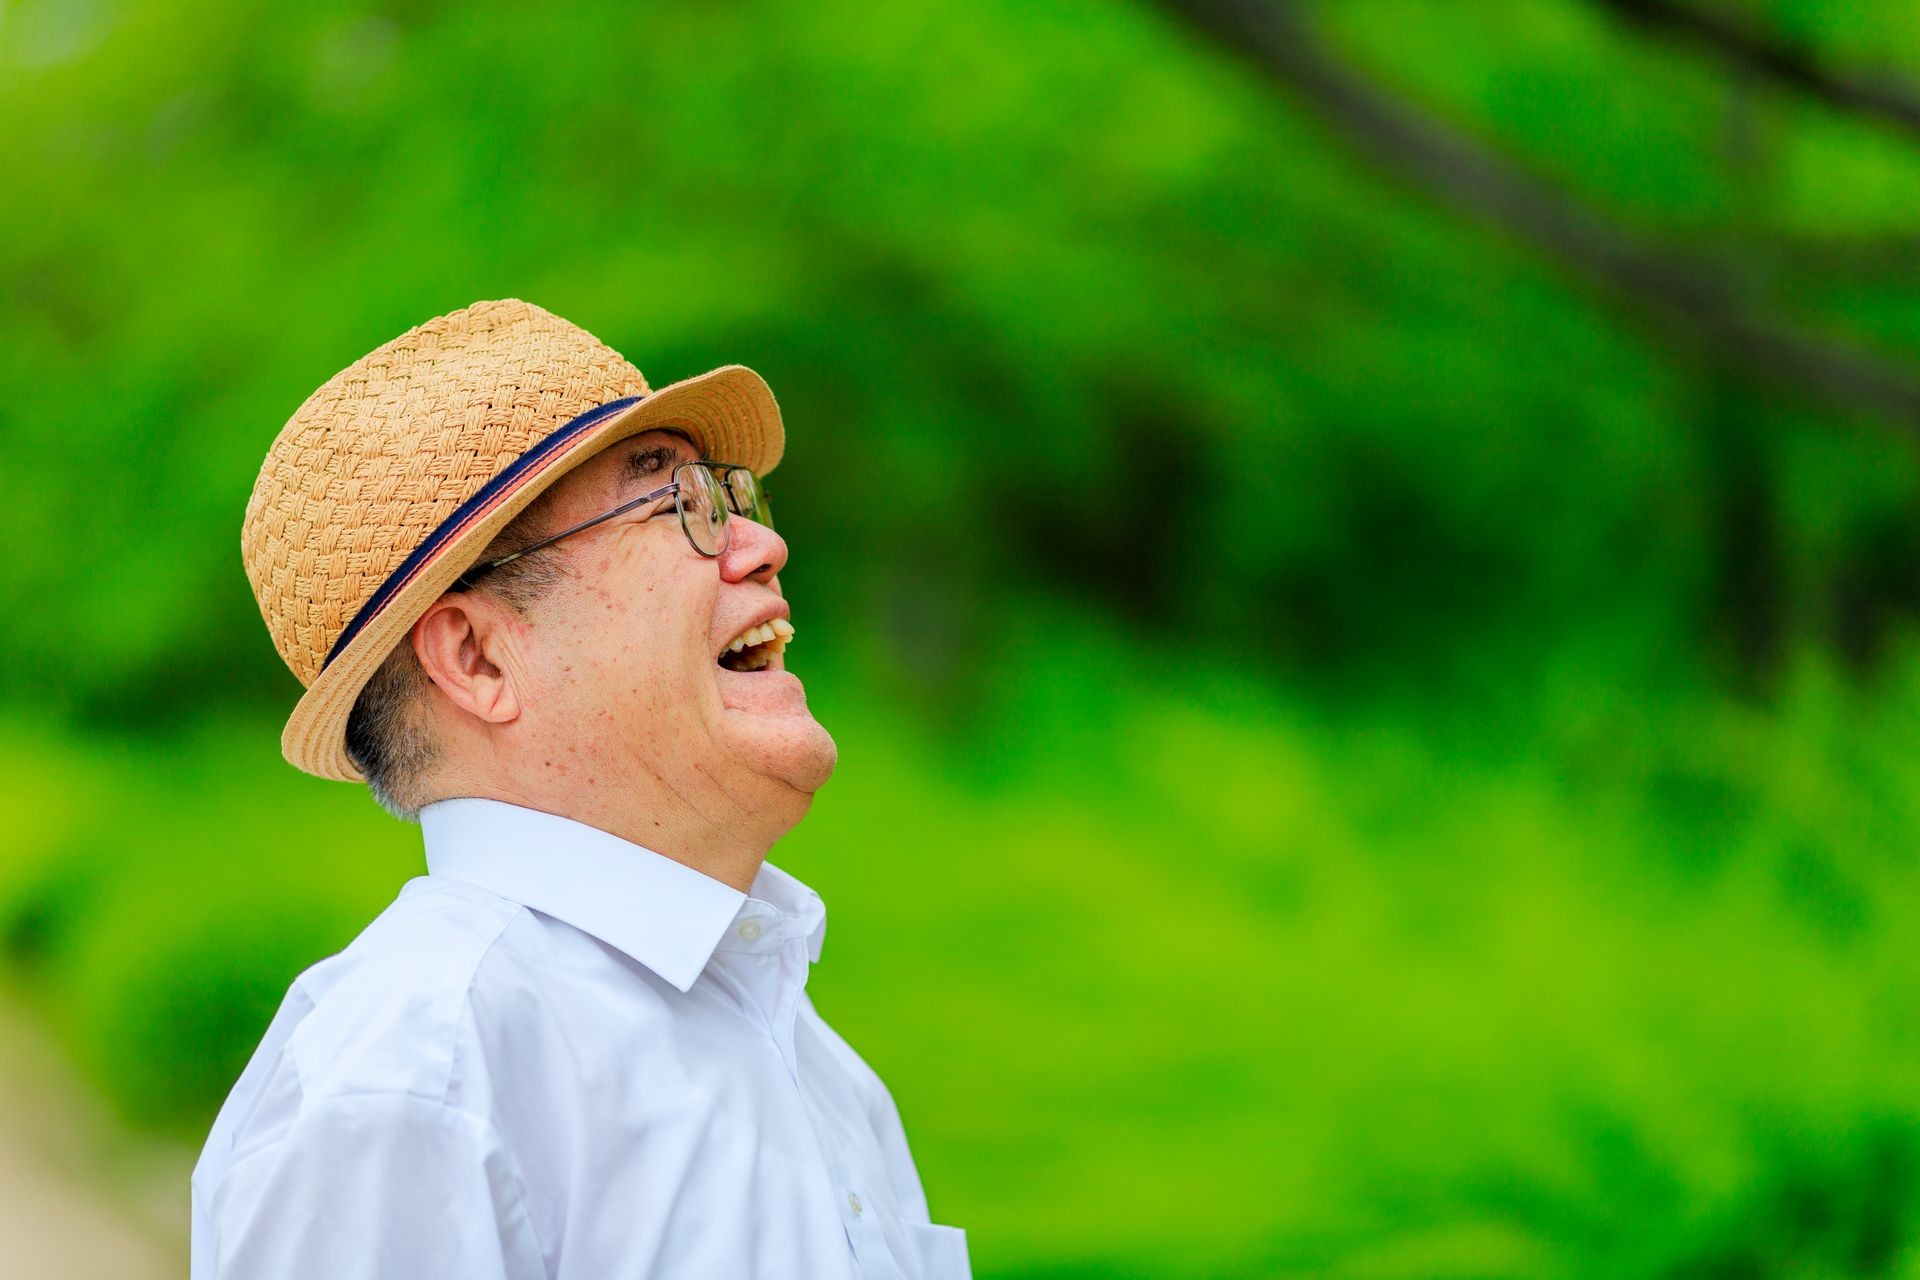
462,641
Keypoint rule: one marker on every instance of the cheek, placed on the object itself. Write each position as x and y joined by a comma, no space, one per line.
640,641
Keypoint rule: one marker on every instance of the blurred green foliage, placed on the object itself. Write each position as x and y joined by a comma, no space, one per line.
1360,754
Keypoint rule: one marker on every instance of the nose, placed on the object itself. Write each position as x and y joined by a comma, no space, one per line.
754,552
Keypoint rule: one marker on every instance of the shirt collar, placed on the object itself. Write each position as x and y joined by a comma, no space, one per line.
781,908
663,913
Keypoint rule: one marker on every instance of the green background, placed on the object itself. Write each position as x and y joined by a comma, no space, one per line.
1375,742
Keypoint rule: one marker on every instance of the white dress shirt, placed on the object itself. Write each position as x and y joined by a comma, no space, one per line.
559,1054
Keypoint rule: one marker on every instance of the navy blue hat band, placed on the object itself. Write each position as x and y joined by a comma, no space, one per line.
488,497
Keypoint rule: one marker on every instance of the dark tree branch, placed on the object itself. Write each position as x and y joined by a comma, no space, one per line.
1474,179
1777,57
1884,261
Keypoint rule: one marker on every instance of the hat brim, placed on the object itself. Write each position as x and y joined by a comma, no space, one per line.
729,414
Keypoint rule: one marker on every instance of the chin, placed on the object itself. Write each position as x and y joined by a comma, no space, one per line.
794,748
802,755
767,724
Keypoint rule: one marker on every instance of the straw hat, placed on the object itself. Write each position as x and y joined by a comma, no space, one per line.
393,477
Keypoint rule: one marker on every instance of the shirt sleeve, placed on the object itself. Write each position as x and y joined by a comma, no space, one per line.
389,1185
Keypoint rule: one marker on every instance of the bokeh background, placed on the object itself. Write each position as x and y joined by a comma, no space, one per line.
1363,557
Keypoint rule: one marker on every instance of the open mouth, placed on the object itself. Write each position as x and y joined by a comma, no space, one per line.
755,648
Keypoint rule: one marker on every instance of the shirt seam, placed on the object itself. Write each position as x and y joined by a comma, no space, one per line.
444,1093
460,1036
520,1186
444,1098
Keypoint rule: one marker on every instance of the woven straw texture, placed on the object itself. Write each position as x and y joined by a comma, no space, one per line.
383,453
392,444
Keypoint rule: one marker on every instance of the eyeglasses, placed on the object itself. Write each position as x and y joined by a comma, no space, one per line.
704,493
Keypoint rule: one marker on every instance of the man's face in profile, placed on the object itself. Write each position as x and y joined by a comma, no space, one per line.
627,659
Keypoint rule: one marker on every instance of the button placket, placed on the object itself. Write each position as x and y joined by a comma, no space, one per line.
793,980
855,1213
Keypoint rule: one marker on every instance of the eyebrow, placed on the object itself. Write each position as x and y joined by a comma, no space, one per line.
648,464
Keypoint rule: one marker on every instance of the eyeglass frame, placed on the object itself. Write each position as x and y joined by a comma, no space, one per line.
719,470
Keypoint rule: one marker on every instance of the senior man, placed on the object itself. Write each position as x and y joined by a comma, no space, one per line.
535,605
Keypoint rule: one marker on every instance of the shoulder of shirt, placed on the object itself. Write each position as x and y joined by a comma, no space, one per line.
388,1011
386,1016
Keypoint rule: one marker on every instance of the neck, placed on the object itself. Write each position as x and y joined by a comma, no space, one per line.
718,831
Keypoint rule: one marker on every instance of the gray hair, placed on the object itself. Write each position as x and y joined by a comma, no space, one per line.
388,738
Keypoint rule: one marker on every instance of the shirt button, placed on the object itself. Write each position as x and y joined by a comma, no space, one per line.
750,931
853,1202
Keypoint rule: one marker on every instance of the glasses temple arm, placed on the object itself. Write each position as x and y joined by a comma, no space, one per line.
481,570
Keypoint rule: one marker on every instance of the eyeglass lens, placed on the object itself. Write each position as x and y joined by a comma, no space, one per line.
746,497
706,495
703,508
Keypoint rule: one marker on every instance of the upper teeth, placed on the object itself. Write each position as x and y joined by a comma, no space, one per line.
777,629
